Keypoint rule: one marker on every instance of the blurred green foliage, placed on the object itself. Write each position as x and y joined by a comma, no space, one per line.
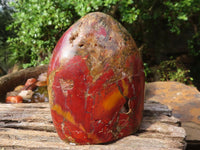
183,13
5,19
38,24
173,71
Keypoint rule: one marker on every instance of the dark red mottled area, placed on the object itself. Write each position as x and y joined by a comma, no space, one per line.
96,82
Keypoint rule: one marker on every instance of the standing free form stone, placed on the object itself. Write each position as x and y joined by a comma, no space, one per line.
96,82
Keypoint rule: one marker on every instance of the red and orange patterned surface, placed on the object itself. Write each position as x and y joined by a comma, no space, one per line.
96,82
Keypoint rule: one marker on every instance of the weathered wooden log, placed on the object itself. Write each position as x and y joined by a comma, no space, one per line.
29,126
10,81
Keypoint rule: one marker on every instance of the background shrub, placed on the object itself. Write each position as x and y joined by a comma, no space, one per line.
5,19
39,24
161,28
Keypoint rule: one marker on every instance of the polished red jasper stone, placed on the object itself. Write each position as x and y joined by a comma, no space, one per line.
96,82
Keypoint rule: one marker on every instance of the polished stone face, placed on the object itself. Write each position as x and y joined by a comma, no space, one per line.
96,82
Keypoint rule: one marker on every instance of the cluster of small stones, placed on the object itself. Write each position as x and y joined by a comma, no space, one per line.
34,90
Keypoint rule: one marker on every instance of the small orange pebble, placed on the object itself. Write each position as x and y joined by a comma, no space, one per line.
14,99
19,88
30,84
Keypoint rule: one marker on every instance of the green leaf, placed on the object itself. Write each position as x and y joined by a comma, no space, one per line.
183,17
